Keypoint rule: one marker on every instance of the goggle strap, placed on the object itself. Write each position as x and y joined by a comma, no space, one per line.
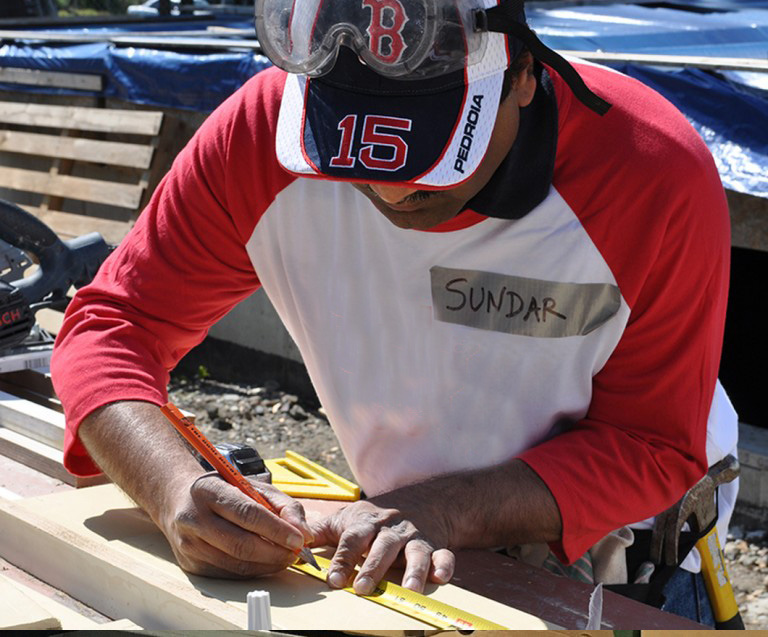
502,19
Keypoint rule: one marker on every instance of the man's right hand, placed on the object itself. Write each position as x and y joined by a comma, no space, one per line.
217,531
213,528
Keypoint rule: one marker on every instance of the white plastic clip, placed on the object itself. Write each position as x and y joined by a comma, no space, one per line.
259,615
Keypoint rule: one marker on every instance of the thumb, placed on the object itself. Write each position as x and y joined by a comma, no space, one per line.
287,508
324,531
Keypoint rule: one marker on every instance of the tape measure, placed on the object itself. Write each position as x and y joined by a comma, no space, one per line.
407,602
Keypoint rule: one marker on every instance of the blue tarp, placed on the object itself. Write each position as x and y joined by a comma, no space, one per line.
729,109
195,81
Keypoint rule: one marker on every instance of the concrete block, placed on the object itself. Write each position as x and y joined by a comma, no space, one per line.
753,457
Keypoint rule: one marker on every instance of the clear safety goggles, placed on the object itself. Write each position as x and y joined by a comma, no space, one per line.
413,39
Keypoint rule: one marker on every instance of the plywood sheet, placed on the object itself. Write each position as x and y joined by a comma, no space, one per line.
95,545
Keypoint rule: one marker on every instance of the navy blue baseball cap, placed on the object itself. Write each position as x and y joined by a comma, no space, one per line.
355,123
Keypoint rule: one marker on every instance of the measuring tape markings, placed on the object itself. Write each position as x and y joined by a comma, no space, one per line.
408,602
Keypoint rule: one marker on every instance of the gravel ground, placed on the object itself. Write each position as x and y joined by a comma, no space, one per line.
746,553
274,421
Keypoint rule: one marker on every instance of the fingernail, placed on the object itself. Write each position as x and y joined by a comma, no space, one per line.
336,579
364,585
442,575
295,542
412,583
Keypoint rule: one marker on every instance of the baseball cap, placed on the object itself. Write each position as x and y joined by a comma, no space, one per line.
355,122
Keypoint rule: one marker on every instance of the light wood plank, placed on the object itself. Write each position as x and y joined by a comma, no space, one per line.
70,619
37,77
78,540
32,420
92,570
43,458
111,120
77,149
50,320
79,188
19,612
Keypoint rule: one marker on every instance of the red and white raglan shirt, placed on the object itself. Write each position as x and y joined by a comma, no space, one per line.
572,317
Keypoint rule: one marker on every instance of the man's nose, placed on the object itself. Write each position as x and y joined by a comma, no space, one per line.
392,194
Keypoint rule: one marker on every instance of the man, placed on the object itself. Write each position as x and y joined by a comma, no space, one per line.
510,299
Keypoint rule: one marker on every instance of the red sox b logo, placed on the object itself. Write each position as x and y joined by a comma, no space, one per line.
385,37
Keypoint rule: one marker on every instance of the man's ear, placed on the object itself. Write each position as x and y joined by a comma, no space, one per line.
525,83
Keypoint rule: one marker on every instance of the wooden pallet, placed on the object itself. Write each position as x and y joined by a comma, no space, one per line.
87,169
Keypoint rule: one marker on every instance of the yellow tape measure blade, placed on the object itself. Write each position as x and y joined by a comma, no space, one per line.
416,605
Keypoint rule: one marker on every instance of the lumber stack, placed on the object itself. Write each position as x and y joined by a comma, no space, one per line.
32,425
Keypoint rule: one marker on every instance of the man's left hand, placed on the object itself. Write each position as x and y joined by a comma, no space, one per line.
378,536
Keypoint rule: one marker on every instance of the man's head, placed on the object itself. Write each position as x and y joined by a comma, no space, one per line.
408,206
398,96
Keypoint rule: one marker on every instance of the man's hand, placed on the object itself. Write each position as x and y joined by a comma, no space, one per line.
213,528
416,524
216,530
370,533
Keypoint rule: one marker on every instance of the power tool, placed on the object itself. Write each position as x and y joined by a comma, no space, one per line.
26,242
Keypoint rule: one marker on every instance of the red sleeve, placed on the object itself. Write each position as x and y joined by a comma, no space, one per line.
648,193
182,267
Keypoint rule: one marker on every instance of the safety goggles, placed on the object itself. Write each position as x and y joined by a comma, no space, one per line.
403,39
362,121
413,39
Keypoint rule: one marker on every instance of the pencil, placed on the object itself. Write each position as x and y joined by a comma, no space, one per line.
204,447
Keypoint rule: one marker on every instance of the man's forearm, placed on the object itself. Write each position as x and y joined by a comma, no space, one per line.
138,449
212,527
503,505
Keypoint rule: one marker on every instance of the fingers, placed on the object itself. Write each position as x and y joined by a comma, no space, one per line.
232,505
376,538
243,546
418,560
443,566
209,561
292,512
383,553
214,529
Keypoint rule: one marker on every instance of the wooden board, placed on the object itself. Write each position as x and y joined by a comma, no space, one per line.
96,546
36,77
41,457
34,380
82,118
65,186
663,59
19,612
33,385
77,148
70,619
32,420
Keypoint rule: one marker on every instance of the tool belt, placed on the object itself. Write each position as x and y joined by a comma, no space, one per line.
638,554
